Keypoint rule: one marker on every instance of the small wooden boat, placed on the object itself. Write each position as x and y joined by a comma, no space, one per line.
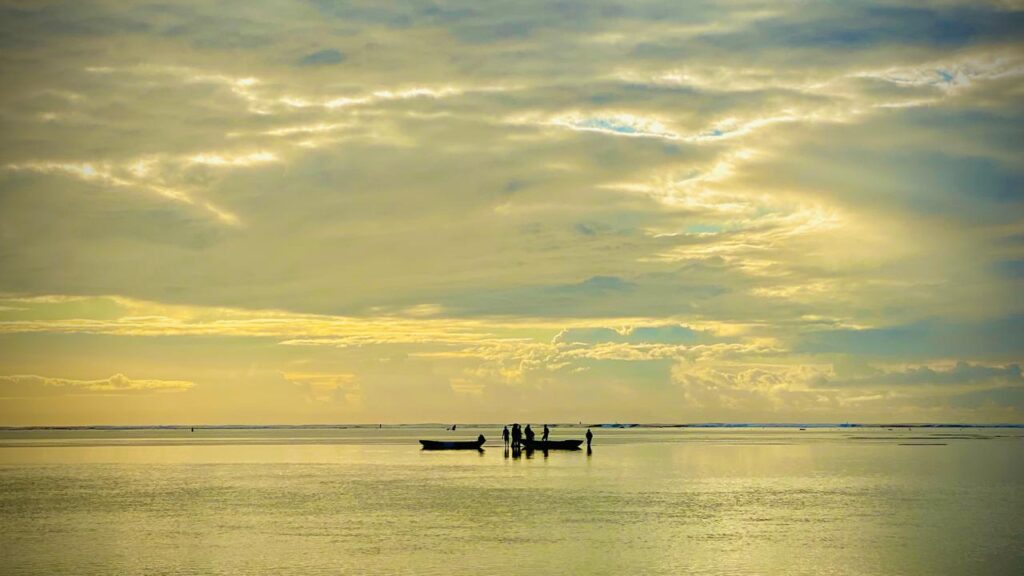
450,445
553,445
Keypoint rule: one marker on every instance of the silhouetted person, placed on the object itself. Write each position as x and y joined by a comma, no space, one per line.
544,436
504,436
453,427
481,439
590,438
517,436
529,435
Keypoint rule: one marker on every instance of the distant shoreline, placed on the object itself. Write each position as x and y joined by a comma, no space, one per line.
603,425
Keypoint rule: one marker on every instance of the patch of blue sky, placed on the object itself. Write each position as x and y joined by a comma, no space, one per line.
668,334
621,125
995,338
721,132
1004,396
1011,268
855,27
703,228
322,58
611,125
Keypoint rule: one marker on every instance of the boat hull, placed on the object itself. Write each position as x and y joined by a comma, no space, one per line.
449,445
554,445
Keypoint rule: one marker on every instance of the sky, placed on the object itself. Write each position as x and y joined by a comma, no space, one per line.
455,211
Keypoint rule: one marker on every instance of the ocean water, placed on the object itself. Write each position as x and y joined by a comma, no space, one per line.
645,501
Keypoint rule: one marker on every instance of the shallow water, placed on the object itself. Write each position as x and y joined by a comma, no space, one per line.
368,501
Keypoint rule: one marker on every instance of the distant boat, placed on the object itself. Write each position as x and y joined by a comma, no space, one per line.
449,445
553,445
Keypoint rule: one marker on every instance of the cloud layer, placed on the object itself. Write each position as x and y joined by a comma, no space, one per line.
114,384
643,207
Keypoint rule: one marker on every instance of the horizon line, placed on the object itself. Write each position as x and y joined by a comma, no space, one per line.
494,424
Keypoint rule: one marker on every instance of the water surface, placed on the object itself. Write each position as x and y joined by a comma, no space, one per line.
646,501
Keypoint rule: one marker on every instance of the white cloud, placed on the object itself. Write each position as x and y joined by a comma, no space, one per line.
328,387
244,159
115,383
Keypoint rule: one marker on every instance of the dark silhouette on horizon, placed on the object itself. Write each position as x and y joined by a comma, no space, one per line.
505,436
590,438
544,436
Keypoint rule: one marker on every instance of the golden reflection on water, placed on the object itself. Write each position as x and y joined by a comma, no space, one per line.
646,502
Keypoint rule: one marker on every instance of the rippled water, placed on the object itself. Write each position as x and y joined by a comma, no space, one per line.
367,501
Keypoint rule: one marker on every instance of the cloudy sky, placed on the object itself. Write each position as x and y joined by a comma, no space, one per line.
308,212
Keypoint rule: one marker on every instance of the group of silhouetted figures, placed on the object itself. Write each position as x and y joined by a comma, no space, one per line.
522,438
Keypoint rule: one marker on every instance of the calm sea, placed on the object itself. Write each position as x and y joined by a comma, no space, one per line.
645,501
